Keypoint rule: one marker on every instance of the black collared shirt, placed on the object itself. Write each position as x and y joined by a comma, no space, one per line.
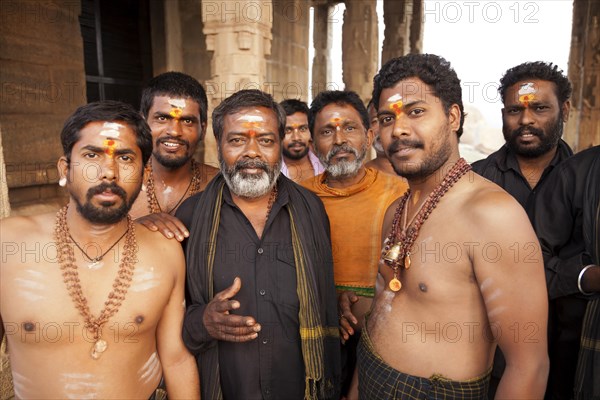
271,366
502,168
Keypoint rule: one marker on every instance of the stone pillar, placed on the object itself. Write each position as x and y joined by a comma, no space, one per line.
287,68
43,81
322,39
583,128
403,28
238,33
4,202
167,45
416,27
360,46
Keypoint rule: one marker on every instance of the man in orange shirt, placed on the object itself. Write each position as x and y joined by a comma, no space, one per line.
355,197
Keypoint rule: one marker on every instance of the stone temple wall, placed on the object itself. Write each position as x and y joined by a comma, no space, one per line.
42,81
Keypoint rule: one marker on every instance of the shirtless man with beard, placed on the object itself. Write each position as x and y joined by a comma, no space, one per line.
91,304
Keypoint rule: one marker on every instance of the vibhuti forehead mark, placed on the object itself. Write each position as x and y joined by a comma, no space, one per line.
252,123
177,106
336,119
111,129
396,104
527,93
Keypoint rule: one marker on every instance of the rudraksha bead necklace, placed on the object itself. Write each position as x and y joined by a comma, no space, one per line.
66,259
398,244
193,188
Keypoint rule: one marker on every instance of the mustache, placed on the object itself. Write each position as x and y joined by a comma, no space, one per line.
399,144
172,139
530,129
242,164
296,142
343,148
113,187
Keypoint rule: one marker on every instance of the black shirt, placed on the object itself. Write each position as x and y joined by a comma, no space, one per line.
567,223
502,168
271,366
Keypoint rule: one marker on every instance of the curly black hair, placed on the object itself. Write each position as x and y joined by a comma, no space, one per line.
292,106
338,97
433,70
174,84
537,70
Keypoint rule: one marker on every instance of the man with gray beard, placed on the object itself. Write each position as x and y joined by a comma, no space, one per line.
355,198
262,319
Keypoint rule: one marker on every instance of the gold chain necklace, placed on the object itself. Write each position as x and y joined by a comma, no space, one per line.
66,259
398,255
193,188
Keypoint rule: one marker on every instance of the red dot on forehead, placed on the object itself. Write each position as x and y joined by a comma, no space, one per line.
252,133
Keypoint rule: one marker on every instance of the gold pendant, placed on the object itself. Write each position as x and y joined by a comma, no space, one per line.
395,284
98,348
392,254
407,261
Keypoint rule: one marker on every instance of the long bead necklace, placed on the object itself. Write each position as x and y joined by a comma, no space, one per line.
66,259
398,244
193,188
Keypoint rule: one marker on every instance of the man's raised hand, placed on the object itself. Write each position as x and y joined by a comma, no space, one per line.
222,325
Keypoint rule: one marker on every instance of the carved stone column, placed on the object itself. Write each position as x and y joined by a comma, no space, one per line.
321,67
360,46
287,68
583,128
403,28
238,33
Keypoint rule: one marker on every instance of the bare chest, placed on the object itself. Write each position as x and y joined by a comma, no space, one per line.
37,307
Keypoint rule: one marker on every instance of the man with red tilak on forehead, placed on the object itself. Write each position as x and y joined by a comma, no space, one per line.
355,198
451,287
97,310
175,106
262,319
536,97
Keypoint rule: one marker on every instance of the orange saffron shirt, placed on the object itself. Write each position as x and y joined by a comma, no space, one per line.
356,218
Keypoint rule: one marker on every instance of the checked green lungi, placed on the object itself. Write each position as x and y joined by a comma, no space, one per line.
377,380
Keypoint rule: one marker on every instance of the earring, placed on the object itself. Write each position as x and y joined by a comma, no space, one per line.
62,182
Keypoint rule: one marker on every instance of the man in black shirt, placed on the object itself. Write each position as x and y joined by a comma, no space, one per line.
567,222
263,317
536,106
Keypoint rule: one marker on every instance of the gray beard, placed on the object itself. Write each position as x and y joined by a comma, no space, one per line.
250,186
344,168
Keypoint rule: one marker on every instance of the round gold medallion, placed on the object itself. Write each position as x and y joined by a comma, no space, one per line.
395,285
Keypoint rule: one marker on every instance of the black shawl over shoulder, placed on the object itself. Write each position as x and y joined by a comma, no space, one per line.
308,216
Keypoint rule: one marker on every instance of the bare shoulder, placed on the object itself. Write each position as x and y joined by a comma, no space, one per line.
485,204
27,228
154,244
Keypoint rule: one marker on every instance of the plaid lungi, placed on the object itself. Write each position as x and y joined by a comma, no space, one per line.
377,380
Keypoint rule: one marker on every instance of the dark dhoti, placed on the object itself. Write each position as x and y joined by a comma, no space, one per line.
377,380
161,391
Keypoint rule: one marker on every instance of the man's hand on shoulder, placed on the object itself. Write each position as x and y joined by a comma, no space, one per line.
168,225
222,325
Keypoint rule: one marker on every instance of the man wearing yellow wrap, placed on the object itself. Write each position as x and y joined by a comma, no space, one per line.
355,198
